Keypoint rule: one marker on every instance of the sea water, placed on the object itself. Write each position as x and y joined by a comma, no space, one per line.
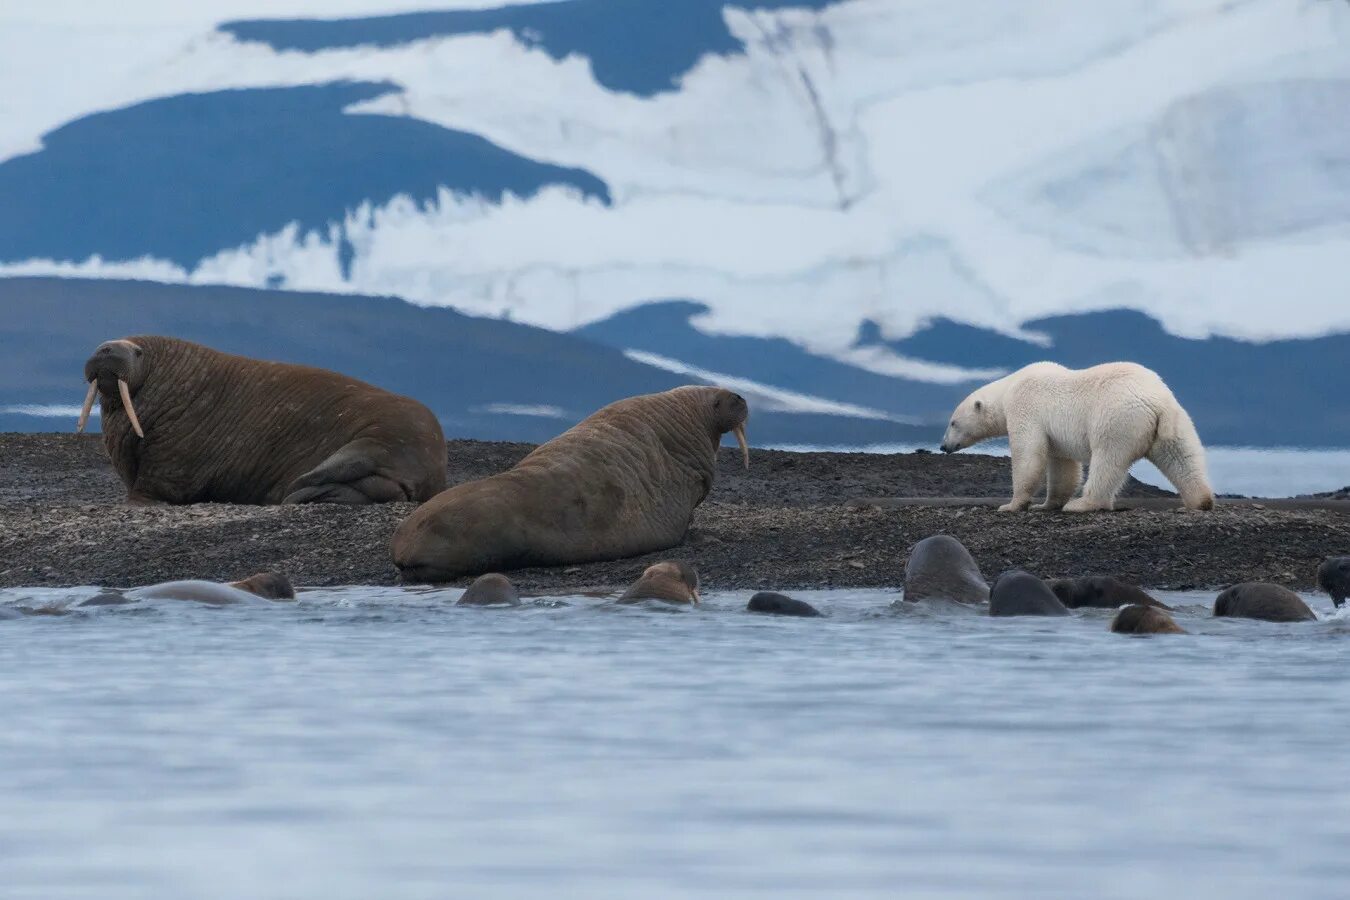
383,743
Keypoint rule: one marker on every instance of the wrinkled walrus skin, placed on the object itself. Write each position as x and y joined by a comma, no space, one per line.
206,426
623,482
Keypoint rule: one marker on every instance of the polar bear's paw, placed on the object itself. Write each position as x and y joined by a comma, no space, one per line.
1083,504
1047,507
1013,506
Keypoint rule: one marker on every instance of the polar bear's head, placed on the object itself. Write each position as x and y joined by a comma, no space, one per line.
976,418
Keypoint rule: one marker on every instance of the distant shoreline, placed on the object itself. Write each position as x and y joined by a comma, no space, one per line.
794,521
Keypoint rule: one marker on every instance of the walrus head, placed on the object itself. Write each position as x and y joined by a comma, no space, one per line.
673,581
1333,576
268,585
730,413
117,369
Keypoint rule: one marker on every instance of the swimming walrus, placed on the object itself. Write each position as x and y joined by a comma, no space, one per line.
267,585
1139,619
1258,600
1100,592
492,589
1018,593
1333,576
671,581
775,604
187,424
623,482
941,568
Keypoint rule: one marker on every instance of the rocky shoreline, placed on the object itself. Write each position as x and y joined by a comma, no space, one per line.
795,520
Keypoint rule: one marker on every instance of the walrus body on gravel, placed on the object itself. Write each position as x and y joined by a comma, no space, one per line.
623,482
187,424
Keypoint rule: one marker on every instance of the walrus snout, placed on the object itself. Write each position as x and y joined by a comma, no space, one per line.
118,361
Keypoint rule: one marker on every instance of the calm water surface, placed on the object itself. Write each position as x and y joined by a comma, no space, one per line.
376,743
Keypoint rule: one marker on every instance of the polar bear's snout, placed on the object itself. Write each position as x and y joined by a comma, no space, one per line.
953,439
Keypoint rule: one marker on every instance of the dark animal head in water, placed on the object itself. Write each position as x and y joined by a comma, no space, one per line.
673,581
1333,576
268,585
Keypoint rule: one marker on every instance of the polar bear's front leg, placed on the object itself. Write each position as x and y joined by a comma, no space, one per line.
1029,455
1063,475
1106,475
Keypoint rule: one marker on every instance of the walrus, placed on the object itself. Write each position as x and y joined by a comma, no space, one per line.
776,604
1333,576
622,482
1140,619
941,568
1100,592
183,423
492,589
267,585
1018,593
669,580
1258,600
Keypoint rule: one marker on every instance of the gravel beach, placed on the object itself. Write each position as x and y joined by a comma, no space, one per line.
795,520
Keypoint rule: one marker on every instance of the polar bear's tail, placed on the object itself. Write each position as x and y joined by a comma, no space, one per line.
1178,454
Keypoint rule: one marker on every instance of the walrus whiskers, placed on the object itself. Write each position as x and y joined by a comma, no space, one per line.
131,410
88,407
739,431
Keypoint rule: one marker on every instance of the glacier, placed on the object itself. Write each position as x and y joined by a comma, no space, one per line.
839,175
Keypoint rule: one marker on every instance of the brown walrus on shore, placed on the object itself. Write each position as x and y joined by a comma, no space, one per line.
669,580
187,424
620,483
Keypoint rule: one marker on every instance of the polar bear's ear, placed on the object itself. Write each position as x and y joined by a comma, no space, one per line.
979,405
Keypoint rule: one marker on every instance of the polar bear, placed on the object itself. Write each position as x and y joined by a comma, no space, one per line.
1108,416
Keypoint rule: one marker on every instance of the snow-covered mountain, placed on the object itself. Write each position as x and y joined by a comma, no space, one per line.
838,179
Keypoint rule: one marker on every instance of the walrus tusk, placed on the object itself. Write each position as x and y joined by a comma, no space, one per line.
88,406
739,431
694,594
131,410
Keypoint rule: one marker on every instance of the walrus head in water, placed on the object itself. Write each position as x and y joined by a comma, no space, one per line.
672,581
1333,576
1137,618
623,482
184,423
268,585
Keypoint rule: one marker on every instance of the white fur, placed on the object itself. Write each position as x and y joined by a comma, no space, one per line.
1108,416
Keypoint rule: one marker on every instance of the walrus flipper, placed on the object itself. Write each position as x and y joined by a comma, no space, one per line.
350,475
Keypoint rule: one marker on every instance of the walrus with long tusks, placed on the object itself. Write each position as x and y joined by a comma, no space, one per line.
187,424
670,581
623,482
